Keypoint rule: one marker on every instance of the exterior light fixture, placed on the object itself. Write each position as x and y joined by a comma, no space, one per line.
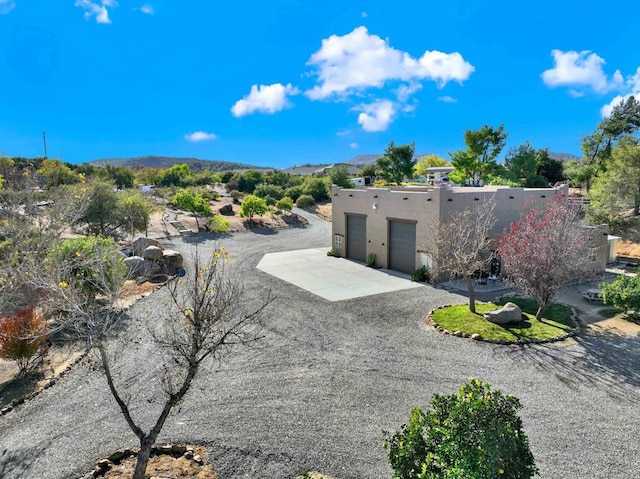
375,206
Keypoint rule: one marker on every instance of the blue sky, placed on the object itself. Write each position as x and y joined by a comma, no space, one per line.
291,81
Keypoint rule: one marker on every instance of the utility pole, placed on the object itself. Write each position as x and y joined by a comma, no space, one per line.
44,139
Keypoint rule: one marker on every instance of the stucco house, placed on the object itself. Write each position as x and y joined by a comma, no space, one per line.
393,222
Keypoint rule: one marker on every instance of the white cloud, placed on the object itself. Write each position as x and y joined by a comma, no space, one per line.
265,99
447,99
197,136
376,116
97,10
358,60
605,111
364,14
147,9
580,69
576,93
353,146
6,6
343,133
405,91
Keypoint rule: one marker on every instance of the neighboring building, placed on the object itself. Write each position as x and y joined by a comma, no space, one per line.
319,170
393,222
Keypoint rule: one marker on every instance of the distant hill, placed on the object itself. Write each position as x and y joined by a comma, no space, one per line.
563,156
195,164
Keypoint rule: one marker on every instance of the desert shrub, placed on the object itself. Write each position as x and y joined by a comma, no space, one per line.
252,205
294,192
235,196
333,253
264,190
285,204
473,434
305,201
22,335
421,275
269,200
316,187
371,259
219,224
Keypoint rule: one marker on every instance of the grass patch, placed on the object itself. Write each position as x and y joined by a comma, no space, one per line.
556,321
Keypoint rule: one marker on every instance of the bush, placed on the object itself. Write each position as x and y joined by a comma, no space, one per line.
294,192
305,201
333,253
21,337
421,275
371,259
269,200
252,205
474,434
219,224
264,190
235,196
285,204
316,187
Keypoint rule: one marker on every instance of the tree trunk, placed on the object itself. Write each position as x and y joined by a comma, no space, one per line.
540,311
472,296
143,458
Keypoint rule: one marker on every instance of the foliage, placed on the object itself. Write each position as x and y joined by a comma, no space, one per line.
339,175
248,181
397,163
333,253
92,262
550,169
196,204
421,275
522,162
175,176
285,204
280,178
474,434
134,211
101,207
294,192
316,187
56,173
624,292
121,176
545,250
483,147
371,259
500,180
461,245
263,190
556,321
305,201
22,335
428,161
219,224
235,196
252,205
368,171
578,172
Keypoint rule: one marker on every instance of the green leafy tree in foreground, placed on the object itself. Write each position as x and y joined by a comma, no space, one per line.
624,292
474,434
196,204
483,147
252,205
397,163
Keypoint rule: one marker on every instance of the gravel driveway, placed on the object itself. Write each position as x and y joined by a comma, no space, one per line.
326,380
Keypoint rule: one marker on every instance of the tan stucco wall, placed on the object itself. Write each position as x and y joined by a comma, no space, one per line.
429,205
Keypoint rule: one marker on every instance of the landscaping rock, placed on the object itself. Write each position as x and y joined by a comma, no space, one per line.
226,209
154,253
141,244
476,337
510,313
135,266
172,260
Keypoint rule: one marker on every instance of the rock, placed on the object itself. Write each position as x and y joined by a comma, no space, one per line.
476,337
510,313
172,260
140,244
197,459
154,253
189,454
226,209
135,266
116,457
457,333
178,449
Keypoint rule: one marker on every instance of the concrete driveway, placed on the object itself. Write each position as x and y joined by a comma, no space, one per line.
334,279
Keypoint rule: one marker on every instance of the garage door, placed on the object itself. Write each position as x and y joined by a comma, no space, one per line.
357,237
402,246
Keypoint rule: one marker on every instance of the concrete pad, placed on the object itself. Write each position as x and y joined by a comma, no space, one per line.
334,279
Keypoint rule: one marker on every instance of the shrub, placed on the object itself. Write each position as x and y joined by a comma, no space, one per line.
305,201
421,275
371,259
294,192
333,253
474,434
285,204
269,200
264,190
252,205
316,187
219,224
235,196
21,337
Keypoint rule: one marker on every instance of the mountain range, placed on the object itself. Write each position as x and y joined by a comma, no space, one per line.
195,164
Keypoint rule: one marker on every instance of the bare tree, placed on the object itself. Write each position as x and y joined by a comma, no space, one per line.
545,250
461,244
207,315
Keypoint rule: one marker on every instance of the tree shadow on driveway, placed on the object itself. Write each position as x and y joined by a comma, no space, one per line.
605,360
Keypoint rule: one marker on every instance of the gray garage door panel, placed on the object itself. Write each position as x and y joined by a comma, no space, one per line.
402,246
357,238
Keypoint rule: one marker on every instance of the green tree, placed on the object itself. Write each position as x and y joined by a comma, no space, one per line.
397,163
474,434
252,205
196,204
316,187
121,175
263,190
285,204
624,292
368,171
175,176
101,207
134,211
249,180
522,162
55,173
339,175
483,147
428,161
550,169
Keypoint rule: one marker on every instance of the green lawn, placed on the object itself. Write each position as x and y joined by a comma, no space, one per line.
556,321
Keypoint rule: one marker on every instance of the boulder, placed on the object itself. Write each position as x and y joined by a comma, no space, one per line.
152,267
153,253
140,244
510,313
226,209
172,260
135,266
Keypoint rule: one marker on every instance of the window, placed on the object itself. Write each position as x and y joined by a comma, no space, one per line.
337,241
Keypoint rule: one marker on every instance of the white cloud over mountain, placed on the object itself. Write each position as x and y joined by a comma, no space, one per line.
198,136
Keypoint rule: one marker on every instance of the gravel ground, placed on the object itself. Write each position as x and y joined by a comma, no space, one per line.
327,378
